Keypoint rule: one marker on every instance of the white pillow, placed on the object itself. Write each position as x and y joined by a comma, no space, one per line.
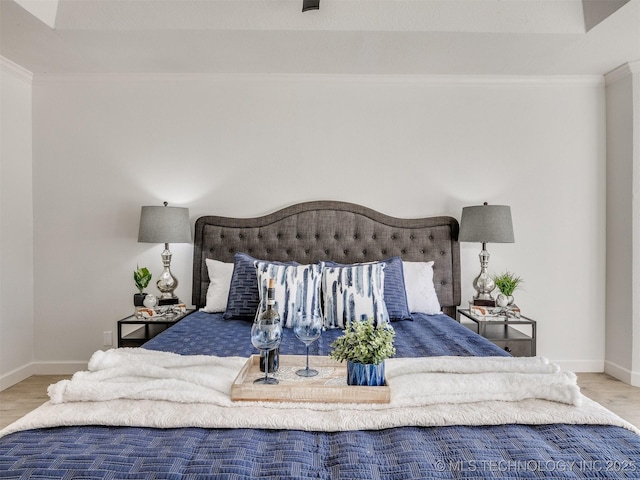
219,282
354,292
421,293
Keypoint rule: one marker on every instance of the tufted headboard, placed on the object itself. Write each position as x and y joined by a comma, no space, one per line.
330,230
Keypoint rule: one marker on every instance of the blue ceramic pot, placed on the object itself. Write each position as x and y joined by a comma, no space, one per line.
365,374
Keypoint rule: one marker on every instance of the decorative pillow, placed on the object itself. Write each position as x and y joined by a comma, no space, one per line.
297,288
395,294
219,283
244,297
353,292
421,293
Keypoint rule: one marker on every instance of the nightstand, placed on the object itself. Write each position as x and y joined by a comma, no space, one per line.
500,332
147,328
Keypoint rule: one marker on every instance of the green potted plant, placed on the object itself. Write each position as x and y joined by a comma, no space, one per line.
365,348
507,283
141,277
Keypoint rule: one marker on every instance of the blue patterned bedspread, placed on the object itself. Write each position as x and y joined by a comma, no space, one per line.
506,451
208,334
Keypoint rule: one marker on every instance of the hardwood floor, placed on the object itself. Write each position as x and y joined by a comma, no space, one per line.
25,396
620,398
617,396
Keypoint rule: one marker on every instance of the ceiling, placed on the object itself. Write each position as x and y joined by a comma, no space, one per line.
425,37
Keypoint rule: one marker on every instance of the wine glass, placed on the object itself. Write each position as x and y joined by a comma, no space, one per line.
307,328
266,334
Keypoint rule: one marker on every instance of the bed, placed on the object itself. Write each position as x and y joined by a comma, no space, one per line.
172,438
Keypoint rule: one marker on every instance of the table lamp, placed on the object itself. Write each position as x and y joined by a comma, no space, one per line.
485,224
165,225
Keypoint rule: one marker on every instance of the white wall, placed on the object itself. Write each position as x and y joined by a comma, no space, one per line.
16,225
623,225
635,355
245,146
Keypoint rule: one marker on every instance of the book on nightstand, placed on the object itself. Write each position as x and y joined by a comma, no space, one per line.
483,303
494,313
166,312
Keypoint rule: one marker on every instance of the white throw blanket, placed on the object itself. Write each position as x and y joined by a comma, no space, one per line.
148,375
136,373
138,387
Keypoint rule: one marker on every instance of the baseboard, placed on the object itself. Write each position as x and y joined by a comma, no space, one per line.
621,373
16,376
59,368
581,365
39,368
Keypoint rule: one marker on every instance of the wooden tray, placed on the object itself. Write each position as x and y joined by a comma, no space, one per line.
330,385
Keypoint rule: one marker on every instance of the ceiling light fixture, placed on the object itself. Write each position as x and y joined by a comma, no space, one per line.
310,5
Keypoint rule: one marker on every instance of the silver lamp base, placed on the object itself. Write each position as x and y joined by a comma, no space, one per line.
483,283
167,283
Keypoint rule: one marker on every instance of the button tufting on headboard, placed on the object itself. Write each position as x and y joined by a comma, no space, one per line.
314,231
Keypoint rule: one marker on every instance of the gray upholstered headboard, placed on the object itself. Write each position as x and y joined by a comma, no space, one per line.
329,230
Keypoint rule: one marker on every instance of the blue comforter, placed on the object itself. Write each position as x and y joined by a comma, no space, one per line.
207,334
505,451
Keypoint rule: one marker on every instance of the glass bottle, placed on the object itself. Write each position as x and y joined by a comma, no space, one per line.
270,315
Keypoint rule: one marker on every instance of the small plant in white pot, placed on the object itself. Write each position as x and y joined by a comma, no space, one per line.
507,283
365,348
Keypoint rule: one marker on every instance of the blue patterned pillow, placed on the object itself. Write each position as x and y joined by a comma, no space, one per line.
395,292
353,292
297,288
244,296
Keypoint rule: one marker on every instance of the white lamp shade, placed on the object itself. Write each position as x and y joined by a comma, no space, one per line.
486,224
164,225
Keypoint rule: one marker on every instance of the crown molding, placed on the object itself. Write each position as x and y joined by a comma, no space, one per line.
589,80
623,71
13,68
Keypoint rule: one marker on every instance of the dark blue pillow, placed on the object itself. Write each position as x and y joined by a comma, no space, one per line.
244,296
395,293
